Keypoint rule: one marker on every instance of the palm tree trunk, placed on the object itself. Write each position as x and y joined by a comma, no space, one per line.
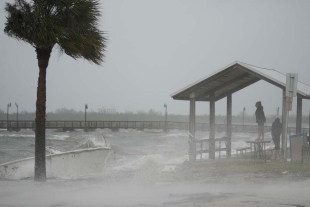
43,56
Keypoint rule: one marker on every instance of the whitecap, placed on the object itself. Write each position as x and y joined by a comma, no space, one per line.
58,137
138,163
17,135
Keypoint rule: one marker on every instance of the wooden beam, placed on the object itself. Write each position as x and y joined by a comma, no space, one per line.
262,77
228,122
207,151
299,115
192,143
212,128
237,89
225,84
283,146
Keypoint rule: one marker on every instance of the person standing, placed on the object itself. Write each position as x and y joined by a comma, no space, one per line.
276,131
260,119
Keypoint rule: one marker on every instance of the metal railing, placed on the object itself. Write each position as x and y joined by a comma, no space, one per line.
27,124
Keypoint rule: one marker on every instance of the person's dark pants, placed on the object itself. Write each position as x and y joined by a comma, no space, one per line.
276,141
261,132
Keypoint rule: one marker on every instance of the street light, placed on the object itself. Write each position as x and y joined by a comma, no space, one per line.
243,116
16,116
278,112
165,105
7,116
86,107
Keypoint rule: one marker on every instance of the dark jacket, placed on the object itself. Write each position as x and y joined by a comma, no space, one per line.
260,116
276,129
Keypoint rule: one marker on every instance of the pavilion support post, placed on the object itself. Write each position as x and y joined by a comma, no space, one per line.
229,131
299,115
284,145
212,128
192,142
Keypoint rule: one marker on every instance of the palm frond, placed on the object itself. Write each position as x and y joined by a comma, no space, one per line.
72,24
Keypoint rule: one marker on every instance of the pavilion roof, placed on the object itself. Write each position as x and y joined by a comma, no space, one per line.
233,78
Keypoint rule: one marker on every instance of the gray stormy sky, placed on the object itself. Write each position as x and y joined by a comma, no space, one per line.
157,47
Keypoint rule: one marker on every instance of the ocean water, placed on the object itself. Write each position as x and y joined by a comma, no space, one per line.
134,172
131,148
134,151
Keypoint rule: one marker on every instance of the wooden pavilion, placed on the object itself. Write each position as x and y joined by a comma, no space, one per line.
224,83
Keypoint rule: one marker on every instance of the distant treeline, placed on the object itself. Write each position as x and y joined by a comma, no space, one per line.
152,115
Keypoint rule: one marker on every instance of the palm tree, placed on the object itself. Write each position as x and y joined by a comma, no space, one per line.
70,24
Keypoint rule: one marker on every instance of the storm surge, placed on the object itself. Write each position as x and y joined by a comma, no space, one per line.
143,170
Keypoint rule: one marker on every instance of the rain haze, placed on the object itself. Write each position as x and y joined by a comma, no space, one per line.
154,49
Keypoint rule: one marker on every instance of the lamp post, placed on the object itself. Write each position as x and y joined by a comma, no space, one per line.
278,112
165,105
16,116
86,107
7,116
243,116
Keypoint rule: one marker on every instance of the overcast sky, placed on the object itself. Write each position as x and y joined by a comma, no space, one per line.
157,47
